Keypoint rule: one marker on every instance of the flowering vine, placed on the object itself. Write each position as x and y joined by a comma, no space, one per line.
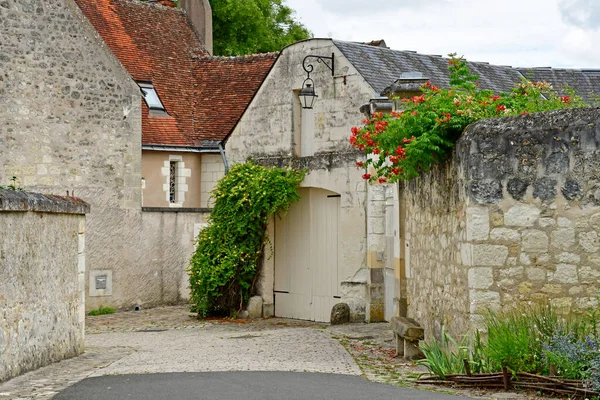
402,144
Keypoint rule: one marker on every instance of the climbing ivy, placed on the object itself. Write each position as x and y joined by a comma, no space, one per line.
224,268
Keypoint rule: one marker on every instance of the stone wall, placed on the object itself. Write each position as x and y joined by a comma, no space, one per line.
42,279
513,218
71,121
433,279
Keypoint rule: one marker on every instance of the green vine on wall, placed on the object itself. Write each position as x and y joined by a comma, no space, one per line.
229,250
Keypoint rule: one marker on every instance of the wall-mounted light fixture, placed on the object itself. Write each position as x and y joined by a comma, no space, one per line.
308,94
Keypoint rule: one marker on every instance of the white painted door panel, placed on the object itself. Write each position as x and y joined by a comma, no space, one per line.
306,257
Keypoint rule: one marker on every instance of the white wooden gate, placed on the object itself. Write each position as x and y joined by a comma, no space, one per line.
306,257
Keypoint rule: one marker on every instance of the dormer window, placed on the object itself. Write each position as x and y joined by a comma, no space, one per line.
151,97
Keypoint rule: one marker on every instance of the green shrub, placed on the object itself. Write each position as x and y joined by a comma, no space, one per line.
529,339
224,267
514,340
102,311
446,356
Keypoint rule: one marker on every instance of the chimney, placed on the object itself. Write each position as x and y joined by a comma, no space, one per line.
199,13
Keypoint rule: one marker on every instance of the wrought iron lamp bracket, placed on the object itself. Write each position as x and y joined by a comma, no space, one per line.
328,61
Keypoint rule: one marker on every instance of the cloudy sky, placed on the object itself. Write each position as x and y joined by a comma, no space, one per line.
521,33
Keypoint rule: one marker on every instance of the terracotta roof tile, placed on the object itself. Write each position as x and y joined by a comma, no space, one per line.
226,86
157,44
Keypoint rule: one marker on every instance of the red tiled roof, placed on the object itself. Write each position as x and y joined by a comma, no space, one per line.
226,86
155,44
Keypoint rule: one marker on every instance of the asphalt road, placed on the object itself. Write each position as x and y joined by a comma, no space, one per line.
239,385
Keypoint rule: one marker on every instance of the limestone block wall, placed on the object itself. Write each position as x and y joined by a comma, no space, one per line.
513,217
42,280
433,279
534,193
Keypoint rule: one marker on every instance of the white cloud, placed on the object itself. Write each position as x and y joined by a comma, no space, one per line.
371,7
511,32
581,13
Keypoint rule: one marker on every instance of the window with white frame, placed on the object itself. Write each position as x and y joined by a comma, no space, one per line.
151,97
175,183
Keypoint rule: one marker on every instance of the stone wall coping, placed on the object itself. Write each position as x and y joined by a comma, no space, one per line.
16,200
537,123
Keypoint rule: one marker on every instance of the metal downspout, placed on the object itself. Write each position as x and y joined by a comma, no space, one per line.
224,157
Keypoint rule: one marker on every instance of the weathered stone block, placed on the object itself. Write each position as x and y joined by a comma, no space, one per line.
536,274
481,278
534,240
522,215
407,328
565,273
552,288
484,301
340,314
586,303
516,273
505,235
563,238
589,275
478,223
489,255
546,222
564,222
569,258
255,306
595,221
589,241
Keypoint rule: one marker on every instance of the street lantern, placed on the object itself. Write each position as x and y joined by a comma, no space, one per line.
308,96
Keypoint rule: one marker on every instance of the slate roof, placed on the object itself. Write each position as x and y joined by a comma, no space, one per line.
226,86
156,43
585,82
381,67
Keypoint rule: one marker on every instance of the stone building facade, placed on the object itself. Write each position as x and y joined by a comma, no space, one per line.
382,232
74,120
42,280
512,218
275,130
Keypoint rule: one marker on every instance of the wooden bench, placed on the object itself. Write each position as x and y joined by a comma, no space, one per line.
407,332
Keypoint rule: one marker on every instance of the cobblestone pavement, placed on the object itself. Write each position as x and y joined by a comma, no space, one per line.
171,339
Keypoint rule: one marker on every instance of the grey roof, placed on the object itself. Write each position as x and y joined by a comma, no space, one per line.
585,82
382,66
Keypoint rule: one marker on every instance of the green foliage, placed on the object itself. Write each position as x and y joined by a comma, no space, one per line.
514,340
253,26
13,185
102,311
534,339
446,356
225,265
403,144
